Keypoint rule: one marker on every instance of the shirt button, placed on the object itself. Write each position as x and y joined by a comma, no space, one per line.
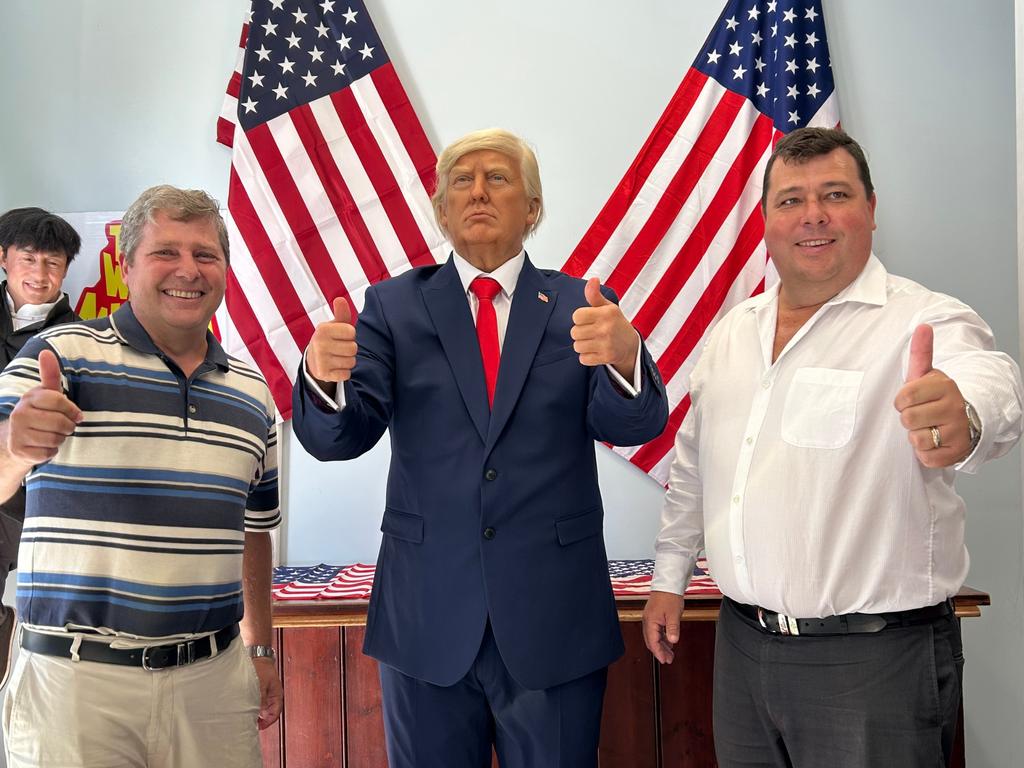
766,382
489,533
750,440
491,474
735,499
192,408
739,559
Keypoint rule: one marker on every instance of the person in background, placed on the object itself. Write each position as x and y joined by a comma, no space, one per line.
36,249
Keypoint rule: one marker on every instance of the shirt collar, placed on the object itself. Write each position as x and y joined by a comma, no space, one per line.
869,287
132,333
507,274
31,312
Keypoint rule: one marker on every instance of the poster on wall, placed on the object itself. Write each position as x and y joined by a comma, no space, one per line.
94,283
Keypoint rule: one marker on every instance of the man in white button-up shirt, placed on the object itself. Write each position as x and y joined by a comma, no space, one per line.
816,468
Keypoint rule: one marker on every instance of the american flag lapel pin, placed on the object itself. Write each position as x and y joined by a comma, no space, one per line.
542,297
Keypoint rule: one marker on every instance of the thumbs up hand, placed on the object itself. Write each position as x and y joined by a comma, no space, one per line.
601,333
331,354
931,408
43,417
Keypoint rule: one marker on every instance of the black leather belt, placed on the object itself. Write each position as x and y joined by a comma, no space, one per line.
152,657
847,624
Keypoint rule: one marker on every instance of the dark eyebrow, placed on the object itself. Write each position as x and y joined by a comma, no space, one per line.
836,184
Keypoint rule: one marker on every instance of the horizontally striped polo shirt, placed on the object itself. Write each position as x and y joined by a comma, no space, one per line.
137,525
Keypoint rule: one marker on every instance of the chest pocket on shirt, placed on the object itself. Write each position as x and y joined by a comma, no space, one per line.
821,407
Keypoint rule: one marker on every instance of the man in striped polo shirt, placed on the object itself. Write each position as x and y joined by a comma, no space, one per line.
150,466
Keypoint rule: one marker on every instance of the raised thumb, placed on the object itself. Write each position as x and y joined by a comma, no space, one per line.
921,344
592,291
49,371
342,313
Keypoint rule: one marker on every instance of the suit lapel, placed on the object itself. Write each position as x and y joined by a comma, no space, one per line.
527,320
449,311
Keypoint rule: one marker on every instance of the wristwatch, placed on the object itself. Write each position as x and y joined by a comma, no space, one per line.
261,652
973,424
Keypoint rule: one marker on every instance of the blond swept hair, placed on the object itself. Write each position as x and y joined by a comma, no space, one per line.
495,140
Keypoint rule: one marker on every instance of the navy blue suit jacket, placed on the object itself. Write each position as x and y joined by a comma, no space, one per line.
488,514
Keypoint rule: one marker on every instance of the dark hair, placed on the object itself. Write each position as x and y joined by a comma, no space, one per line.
805,144
40,230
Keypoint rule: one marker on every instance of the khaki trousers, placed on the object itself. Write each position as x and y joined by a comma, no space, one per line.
64,714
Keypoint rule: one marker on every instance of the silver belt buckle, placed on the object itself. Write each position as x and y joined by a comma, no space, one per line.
185,653
145,659
788,625
783,623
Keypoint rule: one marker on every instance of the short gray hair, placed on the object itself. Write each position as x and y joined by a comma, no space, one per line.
495,140
179,205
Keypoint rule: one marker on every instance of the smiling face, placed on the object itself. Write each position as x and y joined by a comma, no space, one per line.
486,210
176,278
33,277
818,221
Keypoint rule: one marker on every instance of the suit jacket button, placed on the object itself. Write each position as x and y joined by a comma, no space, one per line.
489,533
491,474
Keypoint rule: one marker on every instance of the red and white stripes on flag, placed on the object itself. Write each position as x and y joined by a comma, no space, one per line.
680,238
330,179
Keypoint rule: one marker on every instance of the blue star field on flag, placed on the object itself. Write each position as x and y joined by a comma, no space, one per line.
774,54
301,51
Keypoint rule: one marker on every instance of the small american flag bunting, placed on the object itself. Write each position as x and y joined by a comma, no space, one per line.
630,578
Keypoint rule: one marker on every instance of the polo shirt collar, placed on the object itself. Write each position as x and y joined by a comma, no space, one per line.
127,326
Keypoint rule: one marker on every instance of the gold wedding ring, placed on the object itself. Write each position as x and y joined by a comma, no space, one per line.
936,437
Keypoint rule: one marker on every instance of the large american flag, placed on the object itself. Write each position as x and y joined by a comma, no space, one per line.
680,238
330,174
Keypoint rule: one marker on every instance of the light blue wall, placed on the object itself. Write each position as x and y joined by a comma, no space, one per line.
103,98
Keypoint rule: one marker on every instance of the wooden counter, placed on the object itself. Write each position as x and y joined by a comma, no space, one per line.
653,715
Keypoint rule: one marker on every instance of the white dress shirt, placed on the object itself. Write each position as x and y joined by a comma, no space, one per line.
797,476
507,276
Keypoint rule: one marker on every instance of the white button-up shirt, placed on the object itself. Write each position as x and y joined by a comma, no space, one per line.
797,475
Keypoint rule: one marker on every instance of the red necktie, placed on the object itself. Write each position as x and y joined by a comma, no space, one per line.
485,289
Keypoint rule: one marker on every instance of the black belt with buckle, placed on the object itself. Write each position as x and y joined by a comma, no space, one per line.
151,657
847,624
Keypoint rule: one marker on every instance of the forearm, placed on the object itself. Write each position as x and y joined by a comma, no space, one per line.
12,471
990,380
257,562
681,537
622,420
